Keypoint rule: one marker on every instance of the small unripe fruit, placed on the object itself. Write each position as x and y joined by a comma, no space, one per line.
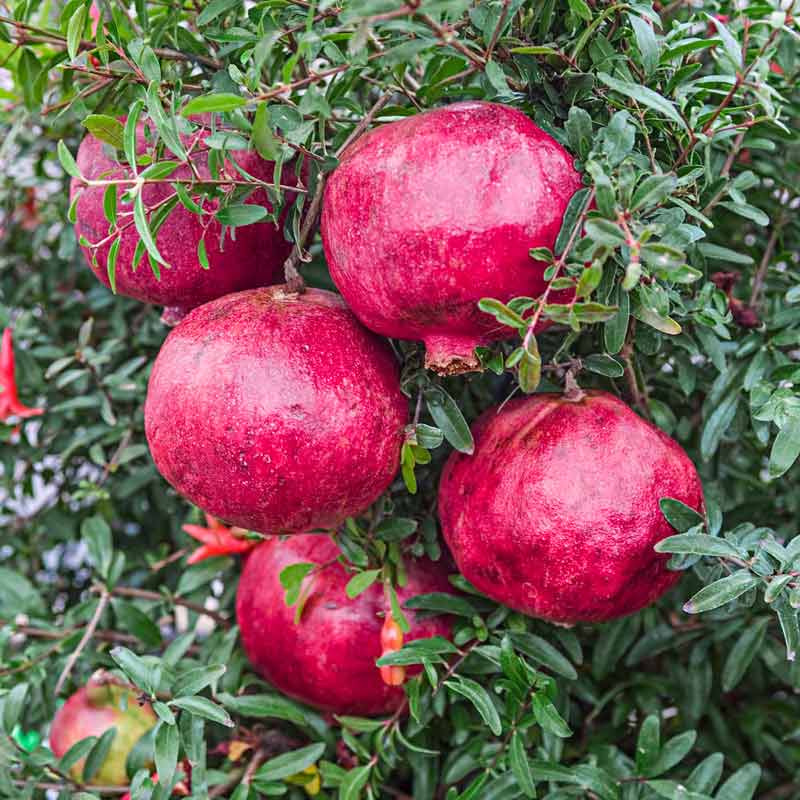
327,657
557,512
425,217
275,411
93,710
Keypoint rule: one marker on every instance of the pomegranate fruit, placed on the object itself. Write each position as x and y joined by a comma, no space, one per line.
275,411
91,711
557,512
327,658
426,216
247,257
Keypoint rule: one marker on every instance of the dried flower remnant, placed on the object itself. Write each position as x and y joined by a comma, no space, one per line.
10,405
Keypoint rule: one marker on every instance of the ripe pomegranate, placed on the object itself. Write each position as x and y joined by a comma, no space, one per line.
426,216
91,711
275,411
247,257
557,512
327,658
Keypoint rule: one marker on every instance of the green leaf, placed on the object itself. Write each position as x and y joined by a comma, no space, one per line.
13,703
604,365
134,667
732,48
743,652
143,229
266,143
653,190
138,623
204,708
571,218
679,515
215,9
98,754
448,417
273,706
106,129
548,717
67,161
581,9
717,424
717,253
97,535
165,123
167,744
360,582
354,782
502,313
615,330
479,698
544,653
195,680
785,448
291,763
208,103
644,96
699,544
721,592
646,42
672,753
75,753
237,215
518,760
75,29
742,784
648,744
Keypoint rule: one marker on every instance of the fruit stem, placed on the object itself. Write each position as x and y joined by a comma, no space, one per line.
572,391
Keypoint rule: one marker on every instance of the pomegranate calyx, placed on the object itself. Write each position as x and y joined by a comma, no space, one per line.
10,405
218,540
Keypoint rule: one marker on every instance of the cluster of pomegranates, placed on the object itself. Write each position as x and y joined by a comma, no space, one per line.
281,412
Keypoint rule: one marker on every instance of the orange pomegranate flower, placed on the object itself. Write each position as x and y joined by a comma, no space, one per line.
10,405
218,540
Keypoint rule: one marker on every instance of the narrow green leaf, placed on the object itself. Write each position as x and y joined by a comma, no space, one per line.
721,592
218,102
479,698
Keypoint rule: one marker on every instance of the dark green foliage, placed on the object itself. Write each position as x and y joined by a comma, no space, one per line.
686,129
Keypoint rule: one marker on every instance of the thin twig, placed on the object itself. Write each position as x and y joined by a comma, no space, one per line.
109,791
144,594
499,27
293,278
761,273
85,639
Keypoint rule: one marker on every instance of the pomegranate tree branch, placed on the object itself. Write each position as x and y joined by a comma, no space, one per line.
741,78
85,639
763,266
559,264
499,27
144,594
293,278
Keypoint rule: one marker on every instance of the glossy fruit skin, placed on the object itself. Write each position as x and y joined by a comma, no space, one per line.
254,258
557,512
276,412
327,659
91,711
426,216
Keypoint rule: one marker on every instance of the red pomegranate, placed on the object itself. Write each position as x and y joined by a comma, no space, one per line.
91,711
248,256
326,659
426,216
557,512
276,412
